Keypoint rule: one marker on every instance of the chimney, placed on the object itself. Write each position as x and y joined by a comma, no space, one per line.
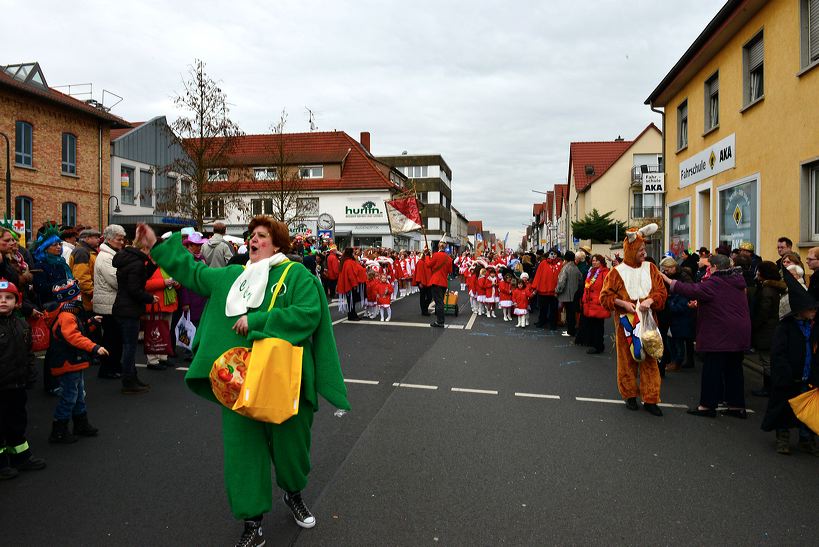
365,140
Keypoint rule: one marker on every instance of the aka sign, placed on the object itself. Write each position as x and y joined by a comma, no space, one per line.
653,183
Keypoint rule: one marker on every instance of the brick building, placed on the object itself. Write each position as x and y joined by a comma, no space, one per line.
60,151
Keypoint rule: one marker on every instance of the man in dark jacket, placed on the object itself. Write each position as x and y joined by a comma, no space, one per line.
765,318
133,270
793,368
723,335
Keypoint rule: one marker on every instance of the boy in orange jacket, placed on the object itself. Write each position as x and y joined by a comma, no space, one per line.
72,352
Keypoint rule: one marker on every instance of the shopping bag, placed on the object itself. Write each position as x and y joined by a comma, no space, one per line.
157,334
806,408
185,331
40,336
262,383
649,333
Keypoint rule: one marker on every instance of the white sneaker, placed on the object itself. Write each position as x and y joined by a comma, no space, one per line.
564,333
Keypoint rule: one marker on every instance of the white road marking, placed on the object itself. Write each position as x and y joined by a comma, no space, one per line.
536,395
181,368
414,386
377,323
368,382
337,321
593,400
669,405
140,365
471,321
468,390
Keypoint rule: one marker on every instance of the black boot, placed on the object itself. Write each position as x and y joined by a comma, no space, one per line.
132,385
60,433
6,470
83,428
24,461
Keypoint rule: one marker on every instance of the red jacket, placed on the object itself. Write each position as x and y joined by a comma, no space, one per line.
440,265
490,287
421,273
155,286
333,267
591,294
71,349
384,293
545,281
505,290
372,290
521,298
352,274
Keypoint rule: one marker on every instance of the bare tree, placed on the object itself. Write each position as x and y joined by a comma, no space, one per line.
209,184
284,194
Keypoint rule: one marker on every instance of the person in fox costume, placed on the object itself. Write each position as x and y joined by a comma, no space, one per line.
635,282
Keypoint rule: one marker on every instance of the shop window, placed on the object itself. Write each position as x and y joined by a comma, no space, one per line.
682,125
809,32
69,155
753,70
679,227
69,214
812,175
126,185
24,210
23,144
738,215
712,102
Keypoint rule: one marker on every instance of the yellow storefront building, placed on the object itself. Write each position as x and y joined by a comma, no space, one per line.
741,130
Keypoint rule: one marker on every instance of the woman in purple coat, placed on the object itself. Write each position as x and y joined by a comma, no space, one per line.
723,335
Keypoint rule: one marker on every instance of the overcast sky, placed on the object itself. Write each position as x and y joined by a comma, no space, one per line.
498,88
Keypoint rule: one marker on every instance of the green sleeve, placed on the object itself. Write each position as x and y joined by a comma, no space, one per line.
298,320
179,263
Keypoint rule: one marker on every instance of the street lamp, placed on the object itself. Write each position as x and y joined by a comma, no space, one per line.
539,192
8,175
116,209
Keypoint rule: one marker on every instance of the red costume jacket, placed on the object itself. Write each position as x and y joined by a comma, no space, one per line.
591,293
545,281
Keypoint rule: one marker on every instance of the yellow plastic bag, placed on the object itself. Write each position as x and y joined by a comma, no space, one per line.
806,408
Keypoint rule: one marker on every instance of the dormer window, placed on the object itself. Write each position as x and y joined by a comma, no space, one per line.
217,175
265,173
311,171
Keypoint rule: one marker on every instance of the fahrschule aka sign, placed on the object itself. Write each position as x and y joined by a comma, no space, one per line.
717,158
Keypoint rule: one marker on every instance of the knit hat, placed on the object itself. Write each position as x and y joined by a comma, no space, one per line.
66,293
8,286
798,296
768,270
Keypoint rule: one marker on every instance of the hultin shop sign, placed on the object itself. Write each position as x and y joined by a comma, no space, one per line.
367,209
653,183
717,158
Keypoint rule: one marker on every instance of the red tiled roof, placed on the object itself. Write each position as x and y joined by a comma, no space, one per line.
359,169
474,227
537,208
550,202
117,133
561,197
600,155
61,99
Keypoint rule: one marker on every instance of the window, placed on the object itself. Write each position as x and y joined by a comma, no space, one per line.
812,172
738,214
146,185
69,163
810,32
434,198
422,197
647,206
308,206
682,125
185,186
126,185
434,223
214,208
311,171
69,214
753,74
261,206
679,218
217,175
712,102
23,144
444,201
264,173
416,171
24,210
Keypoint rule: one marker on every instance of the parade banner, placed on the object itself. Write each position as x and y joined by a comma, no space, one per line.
404,215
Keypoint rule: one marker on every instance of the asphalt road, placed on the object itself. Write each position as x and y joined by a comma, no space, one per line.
470,435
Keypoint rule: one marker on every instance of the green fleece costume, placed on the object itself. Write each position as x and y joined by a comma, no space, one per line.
300,316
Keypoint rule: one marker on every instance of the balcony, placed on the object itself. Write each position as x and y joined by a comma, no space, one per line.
646,212
638,170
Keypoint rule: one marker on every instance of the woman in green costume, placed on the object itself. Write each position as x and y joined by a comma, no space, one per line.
237,314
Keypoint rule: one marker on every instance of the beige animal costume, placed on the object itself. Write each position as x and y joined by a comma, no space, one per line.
634,281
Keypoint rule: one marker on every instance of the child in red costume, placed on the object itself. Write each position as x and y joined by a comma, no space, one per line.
384,297
505,295
635,282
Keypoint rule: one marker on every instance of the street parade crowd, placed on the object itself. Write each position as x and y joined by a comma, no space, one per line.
87,298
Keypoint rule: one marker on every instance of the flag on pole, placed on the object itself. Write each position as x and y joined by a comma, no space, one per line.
478,243
404,215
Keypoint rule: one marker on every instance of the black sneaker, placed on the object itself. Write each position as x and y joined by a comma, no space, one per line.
301,513
631,403
252,536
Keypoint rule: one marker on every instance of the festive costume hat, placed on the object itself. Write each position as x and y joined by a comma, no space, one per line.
634,240
8,286
48,237
66,293
7,224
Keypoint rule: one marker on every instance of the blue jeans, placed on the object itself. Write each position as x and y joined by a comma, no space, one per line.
72,399
130,338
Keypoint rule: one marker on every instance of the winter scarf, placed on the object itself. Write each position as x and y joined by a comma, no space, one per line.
248,290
